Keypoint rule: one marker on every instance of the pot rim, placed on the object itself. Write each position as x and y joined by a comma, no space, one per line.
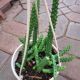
14,57
13,61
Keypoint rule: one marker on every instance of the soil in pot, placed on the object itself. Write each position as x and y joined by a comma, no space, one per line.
29,73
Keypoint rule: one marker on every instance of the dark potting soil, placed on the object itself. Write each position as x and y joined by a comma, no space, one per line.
29,73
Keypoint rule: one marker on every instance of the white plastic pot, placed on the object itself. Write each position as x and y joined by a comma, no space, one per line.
13,60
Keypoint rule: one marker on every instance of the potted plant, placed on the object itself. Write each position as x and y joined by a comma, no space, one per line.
41,61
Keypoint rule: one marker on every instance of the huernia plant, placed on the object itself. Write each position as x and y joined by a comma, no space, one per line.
40,54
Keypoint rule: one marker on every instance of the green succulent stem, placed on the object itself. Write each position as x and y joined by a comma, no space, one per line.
54,16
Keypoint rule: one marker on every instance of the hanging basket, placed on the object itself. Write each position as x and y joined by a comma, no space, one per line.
16,53
13,62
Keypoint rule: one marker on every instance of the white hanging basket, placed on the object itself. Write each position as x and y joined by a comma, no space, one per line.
13,60
16,53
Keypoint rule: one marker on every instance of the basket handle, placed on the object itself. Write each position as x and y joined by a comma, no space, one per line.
27,35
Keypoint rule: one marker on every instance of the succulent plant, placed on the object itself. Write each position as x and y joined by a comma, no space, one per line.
44,44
